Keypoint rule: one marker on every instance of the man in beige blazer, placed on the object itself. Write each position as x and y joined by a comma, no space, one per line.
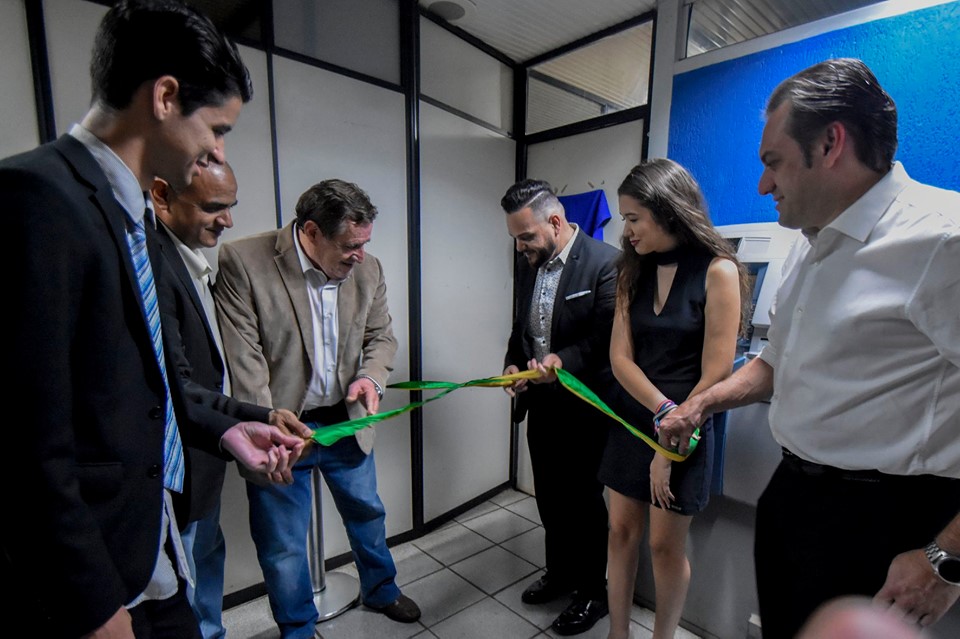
305,326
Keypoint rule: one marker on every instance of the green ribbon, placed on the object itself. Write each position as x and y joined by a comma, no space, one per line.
328,435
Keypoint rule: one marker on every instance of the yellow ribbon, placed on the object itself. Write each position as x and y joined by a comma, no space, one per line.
328,435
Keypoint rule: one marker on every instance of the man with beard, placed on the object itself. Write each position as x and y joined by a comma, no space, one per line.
565,293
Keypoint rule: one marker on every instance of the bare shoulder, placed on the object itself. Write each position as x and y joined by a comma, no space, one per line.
721,267
722,273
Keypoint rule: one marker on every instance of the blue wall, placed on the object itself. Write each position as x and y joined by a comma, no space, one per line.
716,117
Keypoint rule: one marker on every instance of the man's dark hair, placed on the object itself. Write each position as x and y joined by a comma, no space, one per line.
331,204
537,194
842,90
141,40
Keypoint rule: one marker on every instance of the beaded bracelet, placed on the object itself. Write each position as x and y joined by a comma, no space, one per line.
664,404
665,407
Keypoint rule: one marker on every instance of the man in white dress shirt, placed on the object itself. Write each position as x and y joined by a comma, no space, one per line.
863,364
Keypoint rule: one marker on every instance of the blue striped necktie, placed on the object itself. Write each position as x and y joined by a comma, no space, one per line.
172,448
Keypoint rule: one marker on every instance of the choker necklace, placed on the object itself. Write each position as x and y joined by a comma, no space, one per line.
667,257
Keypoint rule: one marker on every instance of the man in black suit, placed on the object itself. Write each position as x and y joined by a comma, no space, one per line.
187,222
565,292
94,549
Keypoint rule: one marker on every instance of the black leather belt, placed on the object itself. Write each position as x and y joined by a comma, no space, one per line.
811,469
326,414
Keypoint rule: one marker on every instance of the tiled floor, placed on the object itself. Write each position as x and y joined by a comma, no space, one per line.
466,577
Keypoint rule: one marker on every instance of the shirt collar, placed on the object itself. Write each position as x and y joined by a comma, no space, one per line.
565,253
193,259
125,186
859,219
306,265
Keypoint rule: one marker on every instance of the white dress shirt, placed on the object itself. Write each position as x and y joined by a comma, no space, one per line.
200,272
865,335
324,388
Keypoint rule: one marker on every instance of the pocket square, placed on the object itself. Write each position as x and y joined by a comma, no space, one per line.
573,296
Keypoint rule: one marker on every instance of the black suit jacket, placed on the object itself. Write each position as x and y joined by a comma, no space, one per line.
582,317
83,478
185,321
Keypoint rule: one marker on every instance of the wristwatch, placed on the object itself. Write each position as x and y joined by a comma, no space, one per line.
946,566
376,385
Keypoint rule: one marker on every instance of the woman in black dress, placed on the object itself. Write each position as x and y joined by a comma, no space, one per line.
674,335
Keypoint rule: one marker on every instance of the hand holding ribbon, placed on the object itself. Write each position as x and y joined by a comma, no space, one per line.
327,435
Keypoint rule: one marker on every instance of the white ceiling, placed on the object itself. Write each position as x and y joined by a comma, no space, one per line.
524,29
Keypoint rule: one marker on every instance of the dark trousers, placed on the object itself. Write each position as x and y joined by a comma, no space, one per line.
822,533
166,618
566,438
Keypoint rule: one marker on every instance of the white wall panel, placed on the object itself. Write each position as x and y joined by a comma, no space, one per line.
467,279
19,131
589,161
362,35
71,26
248,149
460,75
332,126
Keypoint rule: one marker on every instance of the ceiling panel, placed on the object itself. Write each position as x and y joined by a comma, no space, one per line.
718,23
524,29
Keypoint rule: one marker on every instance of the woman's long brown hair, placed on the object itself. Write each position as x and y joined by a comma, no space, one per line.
676,202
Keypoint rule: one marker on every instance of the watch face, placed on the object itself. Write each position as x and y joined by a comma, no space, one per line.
949,569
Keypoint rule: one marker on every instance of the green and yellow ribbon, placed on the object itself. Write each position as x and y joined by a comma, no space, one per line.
328,435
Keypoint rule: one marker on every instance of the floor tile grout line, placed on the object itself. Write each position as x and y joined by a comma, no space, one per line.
493,594
486,595
499,544
535,525
498,507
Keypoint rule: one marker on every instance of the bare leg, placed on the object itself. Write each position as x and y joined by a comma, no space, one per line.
628,517
671,570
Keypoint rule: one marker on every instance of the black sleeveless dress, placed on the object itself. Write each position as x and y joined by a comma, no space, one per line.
668,349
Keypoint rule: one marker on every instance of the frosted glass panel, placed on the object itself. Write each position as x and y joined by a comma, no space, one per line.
606,76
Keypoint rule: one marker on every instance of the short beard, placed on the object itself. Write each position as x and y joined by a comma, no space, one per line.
543,255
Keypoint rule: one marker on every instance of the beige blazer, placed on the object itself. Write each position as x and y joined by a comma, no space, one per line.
267,328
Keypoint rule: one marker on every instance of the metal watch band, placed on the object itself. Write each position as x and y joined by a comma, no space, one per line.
376,384
937,556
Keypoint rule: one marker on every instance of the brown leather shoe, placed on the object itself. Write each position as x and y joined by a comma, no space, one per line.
403,610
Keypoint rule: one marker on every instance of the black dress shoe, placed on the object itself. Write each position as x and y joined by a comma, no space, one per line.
403,610
544,590
579,616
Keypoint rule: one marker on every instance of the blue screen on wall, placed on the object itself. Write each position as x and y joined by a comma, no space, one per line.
716,116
